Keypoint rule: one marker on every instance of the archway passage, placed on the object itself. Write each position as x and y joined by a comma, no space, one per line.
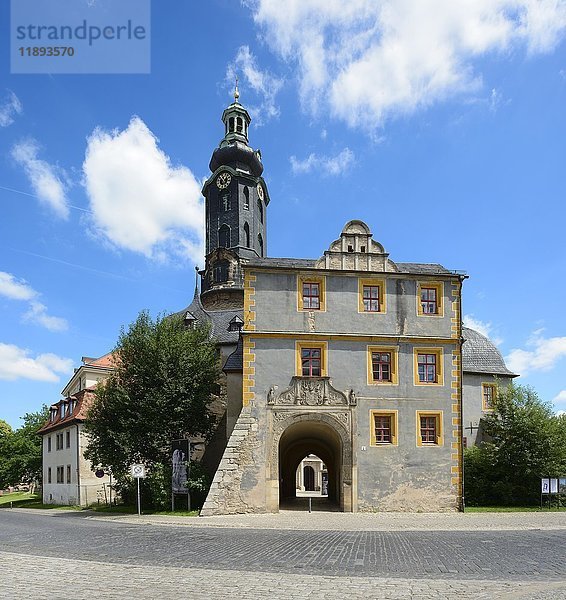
299,441
308,475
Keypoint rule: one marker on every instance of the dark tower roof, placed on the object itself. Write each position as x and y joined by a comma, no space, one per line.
234,148
480,355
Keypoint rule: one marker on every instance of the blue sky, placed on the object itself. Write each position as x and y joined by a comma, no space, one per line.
440,124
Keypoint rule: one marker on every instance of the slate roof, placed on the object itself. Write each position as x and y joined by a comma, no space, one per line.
217,319
309,263
480,355
235,362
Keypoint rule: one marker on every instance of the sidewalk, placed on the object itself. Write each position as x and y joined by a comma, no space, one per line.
334,521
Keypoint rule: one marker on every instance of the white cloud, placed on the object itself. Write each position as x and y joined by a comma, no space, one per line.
16,363
371,60
140,201
9,109
48,181
560,397
18,289
37,313
15,289
263,83
542,354
327,165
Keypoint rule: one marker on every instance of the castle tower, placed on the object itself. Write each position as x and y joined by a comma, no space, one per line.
236,199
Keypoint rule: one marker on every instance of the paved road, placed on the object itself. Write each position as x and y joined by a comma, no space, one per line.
124,558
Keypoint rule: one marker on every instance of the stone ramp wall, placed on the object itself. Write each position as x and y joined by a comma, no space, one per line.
228,492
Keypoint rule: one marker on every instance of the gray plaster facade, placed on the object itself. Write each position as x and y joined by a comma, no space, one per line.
390,436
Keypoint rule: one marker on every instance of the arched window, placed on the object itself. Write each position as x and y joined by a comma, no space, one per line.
239,125
246,198
224,237
260,210
247,235
231,121
260,242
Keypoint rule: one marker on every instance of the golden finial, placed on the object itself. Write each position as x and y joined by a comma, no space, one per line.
236,91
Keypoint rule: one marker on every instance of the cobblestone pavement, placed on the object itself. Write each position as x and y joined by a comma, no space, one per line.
72,555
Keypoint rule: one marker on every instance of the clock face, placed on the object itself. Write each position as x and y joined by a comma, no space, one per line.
260,191
223,180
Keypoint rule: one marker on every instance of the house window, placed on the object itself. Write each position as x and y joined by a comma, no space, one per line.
246,198
311,362
383,428
428,366
48,474
68,473
311,295
59,440
221,271
381,366
311,359
489,393
68,439
429,428
60,474
49,444
371,295
224,236
246,235
429,298
311,292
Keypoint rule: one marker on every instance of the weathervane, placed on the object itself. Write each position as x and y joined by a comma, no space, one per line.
236,91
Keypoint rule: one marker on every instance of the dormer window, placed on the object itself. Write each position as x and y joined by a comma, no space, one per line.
62,410
189,320
235,324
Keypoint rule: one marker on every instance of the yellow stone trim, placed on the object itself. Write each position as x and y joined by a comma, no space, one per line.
394,426
248,380
439,365
388,339
323,346
394,351
438,414
379,283
321,280
439,287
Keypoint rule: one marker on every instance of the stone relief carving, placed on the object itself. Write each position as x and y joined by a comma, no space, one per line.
312,391
311,321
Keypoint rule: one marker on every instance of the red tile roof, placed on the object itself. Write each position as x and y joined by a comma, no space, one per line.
82,400
108,360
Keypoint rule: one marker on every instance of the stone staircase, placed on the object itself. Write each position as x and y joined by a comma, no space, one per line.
224,497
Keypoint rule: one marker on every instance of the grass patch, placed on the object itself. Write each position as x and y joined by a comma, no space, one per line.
133,510
500,509
17,497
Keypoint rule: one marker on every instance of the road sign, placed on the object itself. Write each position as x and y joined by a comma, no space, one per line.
137,471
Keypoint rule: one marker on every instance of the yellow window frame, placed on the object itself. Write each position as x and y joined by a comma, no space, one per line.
379,283
321,280
394,351
394,427
439,365
438,415
322,346
493,387
439,287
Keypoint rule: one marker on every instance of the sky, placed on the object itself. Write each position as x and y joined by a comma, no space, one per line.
440,124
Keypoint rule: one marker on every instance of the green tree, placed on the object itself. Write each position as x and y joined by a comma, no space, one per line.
160,390
524,441
20,450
